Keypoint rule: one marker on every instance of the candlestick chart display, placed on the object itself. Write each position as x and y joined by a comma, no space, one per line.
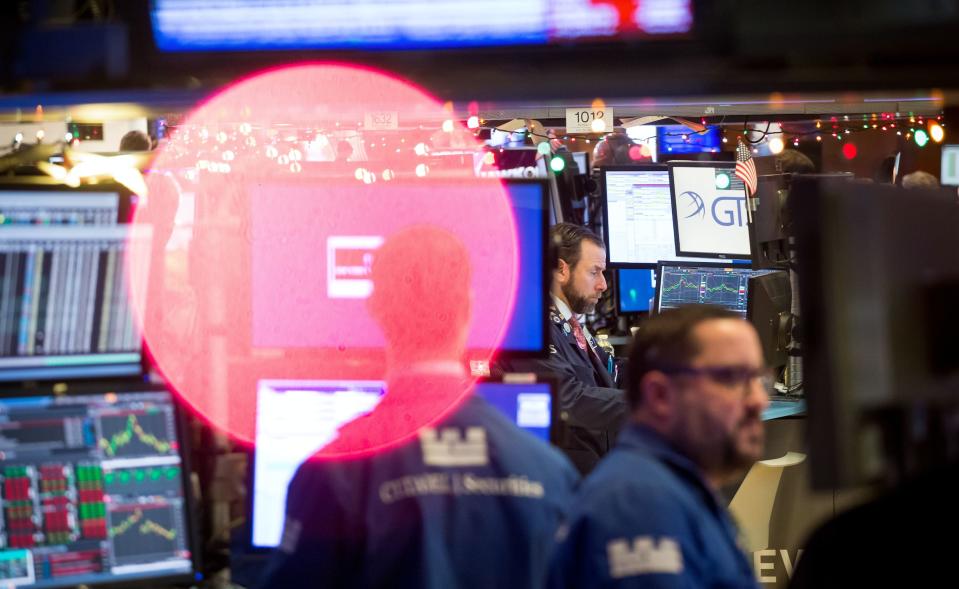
92,490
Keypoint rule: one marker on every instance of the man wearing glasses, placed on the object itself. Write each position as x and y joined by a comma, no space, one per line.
650,514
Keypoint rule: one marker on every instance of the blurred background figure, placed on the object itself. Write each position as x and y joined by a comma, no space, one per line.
613,149
136,141
920,179
792,161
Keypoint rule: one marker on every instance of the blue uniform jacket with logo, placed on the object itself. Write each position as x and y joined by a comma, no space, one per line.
475,502
646,518
595,408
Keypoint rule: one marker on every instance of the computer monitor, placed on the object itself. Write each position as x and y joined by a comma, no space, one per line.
510,162
527,332
769,309
724,285
527,403
95,490
949,165
681,140
247,25
42,201
635,289
879,281
709,210
65,310
295,419
33,208
638,216
341,286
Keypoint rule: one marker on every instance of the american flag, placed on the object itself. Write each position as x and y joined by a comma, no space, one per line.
746,168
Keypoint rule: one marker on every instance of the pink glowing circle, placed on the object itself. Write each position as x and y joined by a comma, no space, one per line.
267,205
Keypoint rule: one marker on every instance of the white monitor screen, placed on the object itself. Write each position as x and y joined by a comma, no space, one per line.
639,217
950,165
709,209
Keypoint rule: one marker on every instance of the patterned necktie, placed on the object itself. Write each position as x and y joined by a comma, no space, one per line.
581,337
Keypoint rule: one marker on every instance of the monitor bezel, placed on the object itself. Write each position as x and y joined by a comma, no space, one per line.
190,502
604,203
546,278
731,166
718,264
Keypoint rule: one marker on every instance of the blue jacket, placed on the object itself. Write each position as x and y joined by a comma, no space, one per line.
594,407
474,503
646,518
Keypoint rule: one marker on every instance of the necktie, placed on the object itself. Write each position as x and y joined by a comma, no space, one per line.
581,338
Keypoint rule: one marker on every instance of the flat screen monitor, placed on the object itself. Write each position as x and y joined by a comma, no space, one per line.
249,25
289,431
65,310
341,286
43,201
635,289
949,170
724,285
709,210
680,139
527,330
95,491
510,162
879,281
638,216
56,207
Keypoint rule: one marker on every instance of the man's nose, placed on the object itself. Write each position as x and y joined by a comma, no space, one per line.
601,285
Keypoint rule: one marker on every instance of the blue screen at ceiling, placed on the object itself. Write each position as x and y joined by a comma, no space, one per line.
681,139
525,331
243,25
636,288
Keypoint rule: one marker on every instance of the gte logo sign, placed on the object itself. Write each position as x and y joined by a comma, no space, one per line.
725,210
696,203
349,260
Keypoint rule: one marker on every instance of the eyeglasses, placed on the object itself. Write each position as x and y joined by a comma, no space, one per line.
728,376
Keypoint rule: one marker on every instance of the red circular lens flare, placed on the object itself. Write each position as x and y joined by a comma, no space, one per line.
635,153
258,272
849,151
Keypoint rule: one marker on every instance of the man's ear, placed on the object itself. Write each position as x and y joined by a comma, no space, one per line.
563,272
658,395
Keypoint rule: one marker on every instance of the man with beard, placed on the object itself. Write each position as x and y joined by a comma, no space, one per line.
650,515
588,395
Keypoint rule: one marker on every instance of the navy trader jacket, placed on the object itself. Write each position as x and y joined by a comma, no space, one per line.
475,502
647,518
594,407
